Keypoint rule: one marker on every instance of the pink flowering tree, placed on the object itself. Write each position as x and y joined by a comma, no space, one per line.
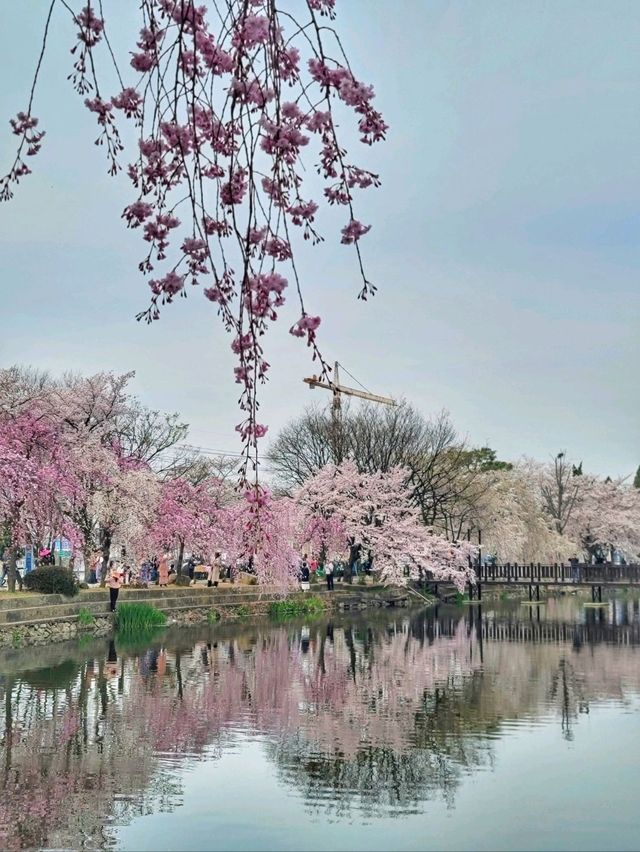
231,105
263,532
34,476
606,517
373,514
187,516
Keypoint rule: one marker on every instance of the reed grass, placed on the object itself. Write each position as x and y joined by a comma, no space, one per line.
293,607
132,618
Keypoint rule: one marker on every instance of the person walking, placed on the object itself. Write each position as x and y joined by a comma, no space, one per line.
575,569
114,581
216,568
191,564
163,570
328,570
304,574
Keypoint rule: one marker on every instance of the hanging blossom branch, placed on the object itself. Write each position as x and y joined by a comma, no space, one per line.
24,126
226,97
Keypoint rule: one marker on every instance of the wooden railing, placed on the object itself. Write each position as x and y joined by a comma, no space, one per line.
534,573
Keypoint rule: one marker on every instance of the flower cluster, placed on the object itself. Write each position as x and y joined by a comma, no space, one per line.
226,97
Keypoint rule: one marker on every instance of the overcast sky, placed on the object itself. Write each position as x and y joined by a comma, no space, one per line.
505,240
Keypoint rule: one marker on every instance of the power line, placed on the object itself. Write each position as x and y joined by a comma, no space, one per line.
211,452
354,378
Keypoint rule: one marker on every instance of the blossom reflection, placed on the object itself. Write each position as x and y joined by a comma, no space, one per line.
370,717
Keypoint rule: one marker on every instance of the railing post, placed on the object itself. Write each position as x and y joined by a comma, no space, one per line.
555,569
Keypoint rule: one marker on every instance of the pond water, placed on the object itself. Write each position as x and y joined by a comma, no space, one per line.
506,727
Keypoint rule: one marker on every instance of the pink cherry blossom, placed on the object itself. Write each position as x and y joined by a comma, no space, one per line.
129,101
352,232
253,31
217,161
234,190
91,26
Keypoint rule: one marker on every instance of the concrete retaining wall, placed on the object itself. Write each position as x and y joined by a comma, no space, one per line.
40,619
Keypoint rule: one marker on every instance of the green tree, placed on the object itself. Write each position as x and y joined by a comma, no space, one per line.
485,459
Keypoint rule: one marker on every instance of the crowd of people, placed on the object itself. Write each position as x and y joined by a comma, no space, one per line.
311,568
162,571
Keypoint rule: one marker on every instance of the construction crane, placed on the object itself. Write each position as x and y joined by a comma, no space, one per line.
337,390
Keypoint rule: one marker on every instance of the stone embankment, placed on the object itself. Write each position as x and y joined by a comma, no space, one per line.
29,618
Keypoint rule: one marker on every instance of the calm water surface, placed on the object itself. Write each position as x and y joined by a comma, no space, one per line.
513,727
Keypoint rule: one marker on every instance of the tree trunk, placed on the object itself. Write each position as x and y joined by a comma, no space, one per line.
105,547
354,553
180,558
87,555
12,572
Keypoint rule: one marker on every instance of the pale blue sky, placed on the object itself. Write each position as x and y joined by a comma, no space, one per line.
505,240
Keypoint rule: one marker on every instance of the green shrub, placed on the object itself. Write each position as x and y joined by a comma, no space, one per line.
460,598
138,617
213,616
293,607
50,580
85,617
243,611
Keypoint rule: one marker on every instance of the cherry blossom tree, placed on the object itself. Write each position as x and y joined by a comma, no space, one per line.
510,513
114,492
187,516
265,532
223,100
559,485
374,514
109,441
606,517
595,515
33,476
123,507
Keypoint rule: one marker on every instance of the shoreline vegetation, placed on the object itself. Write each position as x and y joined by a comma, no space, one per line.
292,607
31,619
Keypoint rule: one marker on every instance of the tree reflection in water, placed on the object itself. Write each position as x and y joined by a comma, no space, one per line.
374,717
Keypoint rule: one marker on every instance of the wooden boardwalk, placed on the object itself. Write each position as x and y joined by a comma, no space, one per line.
560,574
534,575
